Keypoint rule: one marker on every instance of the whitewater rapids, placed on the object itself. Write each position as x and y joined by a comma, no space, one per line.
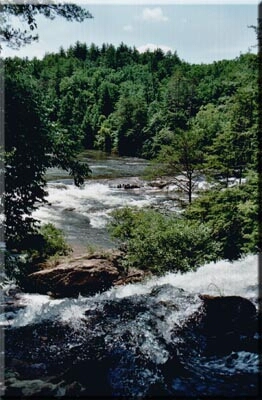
239,278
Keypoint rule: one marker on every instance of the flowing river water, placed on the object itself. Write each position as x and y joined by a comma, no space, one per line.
82,213
144,339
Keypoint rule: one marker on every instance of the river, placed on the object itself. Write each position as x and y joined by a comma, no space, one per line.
138,340
82,213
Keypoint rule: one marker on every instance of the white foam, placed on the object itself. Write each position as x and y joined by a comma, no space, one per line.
93,200
42,307
99,219
221,278
239,278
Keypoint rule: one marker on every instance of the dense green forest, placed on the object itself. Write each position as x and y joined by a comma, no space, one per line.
118,100
189,119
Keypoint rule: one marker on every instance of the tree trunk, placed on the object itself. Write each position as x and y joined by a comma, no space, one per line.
190,188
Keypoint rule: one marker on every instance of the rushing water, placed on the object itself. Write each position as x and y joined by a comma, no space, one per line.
144,339
239,278
82,213
137,340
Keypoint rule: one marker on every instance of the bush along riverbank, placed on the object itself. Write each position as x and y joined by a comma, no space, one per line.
219,224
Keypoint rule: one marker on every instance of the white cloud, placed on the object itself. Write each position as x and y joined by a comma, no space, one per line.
153,47
128,28
154,15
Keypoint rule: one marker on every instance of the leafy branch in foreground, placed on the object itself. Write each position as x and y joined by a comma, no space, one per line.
32,145
16,37
47,242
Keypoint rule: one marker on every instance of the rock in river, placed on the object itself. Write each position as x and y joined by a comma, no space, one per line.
227,314
85,276
228,323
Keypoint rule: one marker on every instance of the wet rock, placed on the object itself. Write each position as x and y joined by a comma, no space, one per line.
226,314
87,274
128,186
90,378
17,386
72,214
156,390
159,291
11,308
10,303
59,186
133,275
136,346
84,276
74,389
159,184
127,183
69,209
228,322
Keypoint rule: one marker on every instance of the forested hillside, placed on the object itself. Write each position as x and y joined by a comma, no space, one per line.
118,100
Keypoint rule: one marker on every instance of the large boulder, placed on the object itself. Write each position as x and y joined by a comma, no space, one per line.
227,314
229,323
85,276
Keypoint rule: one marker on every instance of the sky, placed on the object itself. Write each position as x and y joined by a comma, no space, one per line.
199,32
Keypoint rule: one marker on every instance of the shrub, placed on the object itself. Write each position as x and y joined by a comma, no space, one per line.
53,241
48,242
160,243
232,216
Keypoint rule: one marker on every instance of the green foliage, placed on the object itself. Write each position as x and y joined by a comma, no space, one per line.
158,243
129,121
46,243
182,160
219,224
53,241
26,156
208,123
16,267
233,147
232,216
144,99
32,145
16,37
190,118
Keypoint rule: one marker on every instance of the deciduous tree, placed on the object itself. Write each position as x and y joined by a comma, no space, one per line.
183,161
